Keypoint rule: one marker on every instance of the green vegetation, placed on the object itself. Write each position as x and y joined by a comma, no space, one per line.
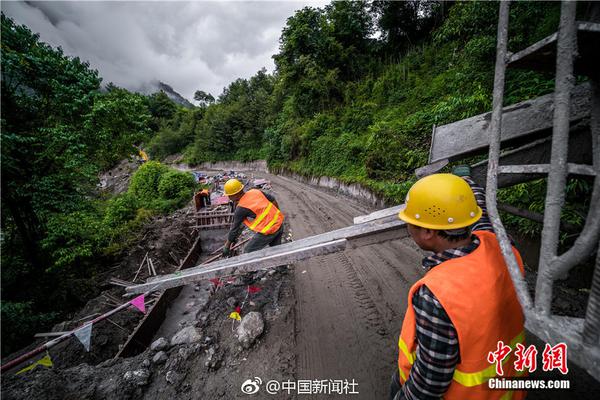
59,130
356,91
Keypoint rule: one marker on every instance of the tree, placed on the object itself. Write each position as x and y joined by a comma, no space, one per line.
45,150
205,99
405,23
161,106
117,120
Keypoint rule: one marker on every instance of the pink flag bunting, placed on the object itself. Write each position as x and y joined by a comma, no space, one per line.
139,303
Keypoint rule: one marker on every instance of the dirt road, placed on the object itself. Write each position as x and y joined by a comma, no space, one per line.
349,305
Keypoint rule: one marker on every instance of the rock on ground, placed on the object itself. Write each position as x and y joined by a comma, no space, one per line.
159,344
160,358
138,377
250,328
187,335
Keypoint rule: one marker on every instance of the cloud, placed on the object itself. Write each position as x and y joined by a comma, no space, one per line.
188,45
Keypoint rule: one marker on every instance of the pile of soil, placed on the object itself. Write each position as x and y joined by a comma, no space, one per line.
214,366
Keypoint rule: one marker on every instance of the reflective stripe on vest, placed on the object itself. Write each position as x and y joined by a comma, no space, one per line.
465,378
487,300
261,216
268,217
478,378
270,224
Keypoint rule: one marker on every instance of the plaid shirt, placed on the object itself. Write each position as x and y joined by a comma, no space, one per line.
437,340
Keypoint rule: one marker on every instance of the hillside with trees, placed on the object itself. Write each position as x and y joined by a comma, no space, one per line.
356,91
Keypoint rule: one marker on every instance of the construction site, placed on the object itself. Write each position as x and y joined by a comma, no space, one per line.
320,314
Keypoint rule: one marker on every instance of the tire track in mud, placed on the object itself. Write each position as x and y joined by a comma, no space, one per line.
349,305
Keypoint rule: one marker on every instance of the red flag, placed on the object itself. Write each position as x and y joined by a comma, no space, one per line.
216,281
238,309
253,289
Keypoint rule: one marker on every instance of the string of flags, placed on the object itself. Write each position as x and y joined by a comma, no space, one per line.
237,314
84,334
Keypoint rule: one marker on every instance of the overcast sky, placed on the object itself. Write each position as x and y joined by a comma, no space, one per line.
188,45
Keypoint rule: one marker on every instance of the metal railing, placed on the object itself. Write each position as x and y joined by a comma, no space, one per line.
581,335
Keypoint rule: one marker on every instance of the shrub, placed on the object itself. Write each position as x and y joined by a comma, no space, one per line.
74,239
120,209
144,182
177,186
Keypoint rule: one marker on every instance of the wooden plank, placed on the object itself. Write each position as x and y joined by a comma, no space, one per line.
380,237
49,334
537,152
541,56
519,121
575,169
273,260
278,255
379,215
143,334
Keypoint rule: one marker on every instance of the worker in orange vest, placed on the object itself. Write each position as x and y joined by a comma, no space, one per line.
202,199
259,211
464,305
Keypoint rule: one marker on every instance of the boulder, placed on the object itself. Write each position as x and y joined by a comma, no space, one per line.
159,344
174,378
138,377
250,328
160,358
187,335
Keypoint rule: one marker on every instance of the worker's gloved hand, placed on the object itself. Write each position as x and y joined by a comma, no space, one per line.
461,170
226,251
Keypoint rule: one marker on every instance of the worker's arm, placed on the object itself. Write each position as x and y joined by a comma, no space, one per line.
437,350
240,214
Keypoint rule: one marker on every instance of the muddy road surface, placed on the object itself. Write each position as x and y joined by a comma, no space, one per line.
350,305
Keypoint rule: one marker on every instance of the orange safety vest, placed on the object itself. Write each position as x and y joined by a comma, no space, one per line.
479,297
268,217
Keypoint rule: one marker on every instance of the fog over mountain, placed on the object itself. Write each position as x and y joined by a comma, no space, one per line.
187,45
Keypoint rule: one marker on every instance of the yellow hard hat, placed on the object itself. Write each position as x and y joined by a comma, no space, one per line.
233,186
441,202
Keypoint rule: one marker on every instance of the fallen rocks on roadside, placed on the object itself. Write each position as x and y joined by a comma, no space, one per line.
174,378
187,335
159,344
160,358
250,328
138,377
231,302
213,359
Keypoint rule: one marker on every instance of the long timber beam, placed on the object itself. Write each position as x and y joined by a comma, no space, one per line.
525,119
330,242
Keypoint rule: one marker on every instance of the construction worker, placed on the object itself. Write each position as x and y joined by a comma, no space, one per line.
202,199
259,211
464,305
